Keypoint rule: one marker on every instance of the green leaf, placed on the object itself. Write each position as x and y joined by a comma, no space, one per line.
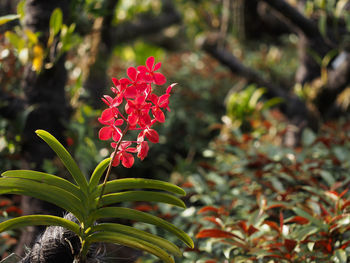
341,256
312,219
304,232
322,25
66,158
44,192
308,137
15,40
130,242
131,214
8,18
132,183
150,196
98,172
56,21
47,179
140,234
39,220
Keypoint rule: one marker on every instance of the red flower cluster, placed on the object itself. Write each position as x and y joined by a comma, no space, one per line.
142,107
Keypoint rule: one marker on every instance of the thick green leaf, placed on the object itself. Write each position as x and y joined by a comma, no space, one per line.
47,179
44,192
150,196
56,21
139,183
66,158
7,18
39,220
132,242
140,234
98,172
131,214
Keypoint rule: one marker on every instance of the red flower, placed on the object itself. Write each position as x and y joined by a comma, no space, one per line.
142,107
123,154
149,73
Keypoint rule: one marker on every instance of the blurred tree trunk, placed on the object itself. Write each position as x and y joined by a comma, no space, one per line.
111,35
47,107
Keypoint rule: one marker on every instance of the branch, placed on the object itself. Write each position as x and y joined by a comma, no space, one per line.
145,24
295,109
307,26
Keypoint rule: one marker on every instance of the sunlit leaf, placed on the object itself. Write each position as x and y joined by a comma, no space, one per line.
66,158
141,196
129,241
132,231
8,18
39,220
131,214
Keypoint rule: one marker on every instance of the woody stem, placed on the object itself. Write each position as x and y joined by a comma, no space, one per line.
110,164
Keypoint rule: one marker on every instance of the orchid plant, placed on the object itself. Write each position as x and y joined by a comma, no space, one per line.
90,201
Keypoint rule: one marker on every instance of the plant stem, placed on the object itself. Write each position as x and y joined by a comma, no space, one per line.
110,164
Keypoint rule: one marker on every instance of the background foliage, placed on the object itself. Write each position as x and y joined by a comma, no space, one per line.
250,198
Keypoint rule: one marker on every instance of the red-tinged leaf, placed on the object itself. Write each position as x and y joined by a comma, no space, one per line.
345,245
144,208
208,209
105,133
212,219
273,225
243,226
281,221
290,244
5,203
299,220
326,245
150,63
14,210
210,261
187,185
159,78
252,230
346,204
216,233
276,206
343,193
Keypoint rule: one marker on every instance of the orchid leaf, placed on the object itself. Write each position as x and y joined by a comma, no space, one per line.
126,240
131,214
52,194
98,172
66,158
140,234
46,179
142,196
140,183
39,220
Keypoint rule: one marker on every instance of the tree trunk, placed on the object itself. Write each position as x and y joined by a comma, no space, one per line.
45,98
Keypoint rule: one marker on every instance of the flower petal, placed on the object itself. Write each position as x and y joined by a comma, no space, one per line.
105,133
158,114
157,66
132,73
150,63
116,135
159,78
107,115
152,136
142,149
127,159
